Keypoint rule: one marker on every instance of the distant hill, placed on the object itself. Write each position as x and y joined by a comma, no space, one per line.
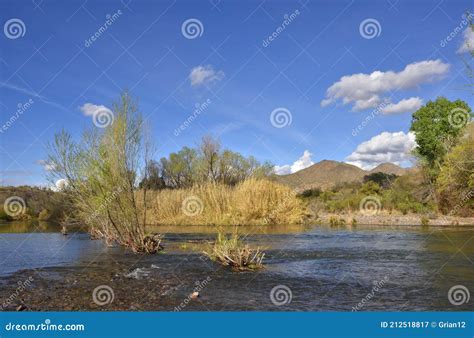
326,174
389,168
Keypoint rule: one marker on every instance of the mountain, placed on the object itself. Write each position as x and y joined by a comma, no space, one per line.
389,168
326,174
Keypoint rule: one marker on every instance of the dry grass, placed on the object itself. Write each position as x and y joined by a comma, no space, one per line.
252,202
232,251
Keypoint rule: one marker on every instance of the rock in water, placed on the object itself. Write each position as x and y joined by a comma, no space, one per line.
194,295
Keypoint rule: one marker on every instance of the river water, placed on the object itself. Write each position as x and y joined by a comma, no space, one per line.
307,268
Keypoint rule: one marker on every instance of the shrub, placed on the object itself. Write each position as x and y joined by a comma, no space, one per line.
232,251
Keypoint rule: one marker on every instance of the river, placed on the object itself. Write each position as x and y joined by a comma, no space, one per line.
307,268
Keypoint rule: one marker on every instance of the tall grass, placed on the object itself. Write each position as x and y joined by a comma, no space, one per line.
252,202
232,251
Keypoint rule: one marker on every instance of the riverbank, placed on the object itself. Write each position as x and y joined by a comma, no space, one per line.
393,220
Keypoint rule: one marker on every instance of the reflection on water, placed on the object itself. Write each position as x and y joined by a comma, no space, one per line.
325,268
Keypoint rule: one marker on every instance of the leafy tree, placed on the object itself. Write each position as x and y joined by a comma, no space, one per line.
456,180
437,127
382,179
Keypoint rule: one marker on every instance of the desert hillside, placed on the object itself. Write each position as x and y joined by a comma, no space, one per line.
326,174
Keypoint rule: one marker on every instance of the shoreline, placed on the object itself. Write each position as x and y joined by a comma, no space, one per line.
395,220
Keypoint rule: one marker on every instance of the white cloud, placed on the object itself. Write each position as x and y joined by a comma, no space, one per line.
468,42
365,91
303,162
46,165
60,185
90,109
201,75
385,147
410,105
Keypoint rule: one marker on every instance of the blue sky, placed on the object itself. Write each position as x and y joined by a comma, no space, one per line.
175,55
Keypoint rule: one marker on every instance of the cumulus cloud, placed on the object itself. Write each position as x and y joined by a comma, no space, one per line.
303,162
201,75
410,105
468,41
46,165
90,109
60,185
385,147
365,91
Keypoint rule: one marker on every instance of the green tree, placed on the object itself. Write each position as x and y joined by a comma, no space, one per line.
437,127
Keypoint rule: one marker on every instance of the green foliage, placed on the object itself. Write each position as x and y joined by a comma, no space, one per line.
424,221
101,172
310,193
232,251
455,184
4,216
382,179
336,221
436,132
209,163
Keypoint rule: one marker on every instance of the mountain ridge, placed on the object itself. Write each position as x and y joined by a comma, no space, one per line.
328,173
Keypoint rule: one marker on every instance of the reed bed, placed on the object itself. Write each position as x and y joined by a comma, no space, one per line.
252,202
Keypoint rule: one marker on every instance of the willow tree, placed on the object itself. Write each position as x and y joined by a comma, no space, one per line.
101,171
